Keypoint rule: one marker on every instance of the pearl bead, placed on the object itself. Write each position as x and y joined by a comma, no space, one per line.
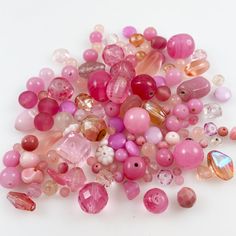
172,138
222,94
195,106
173,124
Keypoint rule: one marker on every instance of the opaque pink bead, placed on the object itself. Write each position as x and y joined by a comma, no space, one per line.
173,124
71,73
153,135
222,94
29,159
95,37
68,106
35,84
11,158
128,31
28,99
112,109
132,189
48,105
195,106
149,33
117,124
118,176
164,157
132,148
136,120
43,122
173,77
181,111
121,155
10,177
90,55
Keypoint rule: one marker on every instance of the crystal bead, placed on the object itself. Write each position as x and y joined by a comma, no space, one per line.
199,54
104,177
203,172
210,129
124,69
212,110
132,189
112,54
165,177
195,68
218,80
84,101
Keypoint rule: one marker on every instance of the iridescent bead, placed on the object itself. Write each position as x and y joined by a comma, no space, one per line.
212,110
48,105
49,188
130,102
222,94
123,69
195,68
149,150
136,39
11,158
210,129
70,73
164,157
186,197
158,43
203,172
62,120
84,101
218,80
60,55
223,131
43,122
132,189
29,143
112,54
28,99
128,31
10,177
35,84
165,177
88,67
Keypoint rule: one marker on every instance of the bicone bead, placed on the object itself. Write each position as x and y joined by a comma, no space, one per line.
28,99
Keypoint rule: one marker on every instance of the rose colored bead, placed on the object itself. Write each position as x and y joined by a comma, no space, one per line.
222,94
188,154
195,106
173,77
95,37
62,168
149,33
180,46
11,158
28,99
123,69
64,192
48,105
155,200
140,140
43,122
68,107
128,31
25,120
29,159
90,55
163,93
136,120
118,176
193,120
232,134
70,73
132,148
112,54
132,59
153,135
134,168
121,155
181,111
132,189
29,143
117,124
164,157
158,42
117,141
186,197
179,180
223,131
173,124
112,109
10,177
172,138
47,74
35,84
96,167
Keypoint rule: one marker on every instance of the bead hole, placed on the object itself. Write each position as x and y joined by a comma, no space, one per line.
136,164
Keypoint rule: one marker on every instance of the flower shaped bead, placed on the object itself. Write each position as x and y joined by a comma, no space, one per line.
105,155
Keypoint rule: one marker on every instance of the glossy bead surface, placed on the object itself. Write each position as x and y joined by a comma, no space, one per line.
123,69
165,177
117,141
158,42
112,54
163,93
43,122
210,129
70,73
132,189
117,124
29,143
11,158
186,197
90,55
50,188
203,172
172,138
35,84
25,120
181,111
112,109
153,135
48,105
132,148
128,31
121,155
29,159
164,157
223,131
28,99
173,77
222,94
196,68
31,175
173,124
10,177
136,40
195,106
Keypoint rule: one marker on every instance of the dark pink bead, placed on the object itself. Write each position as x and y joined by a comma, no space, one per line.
163,93
186,197
117,124
164,157
28,99
117,141
48,105
112,54
158,42
193,120
124,69
63,168
43,122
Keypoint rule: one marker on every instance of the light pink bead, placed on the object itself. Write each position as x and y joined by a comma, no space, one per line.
68,106
222,94
164,157
160,81
35,84
71,73
140,140
31,175
132,189
90,55
181,111
112,109
11,158
46,74
193,120
172,138
173,124
179,180
132,148
149,33
29,159
34,190
10,177
118,176
153,135
173,77
121,155
132,59
95,37
162,144
128,31
195,106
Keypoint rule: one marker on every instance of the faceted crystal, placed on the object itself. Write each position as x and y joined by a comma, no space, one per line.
112,54
165,177
132,189
84,101
212,110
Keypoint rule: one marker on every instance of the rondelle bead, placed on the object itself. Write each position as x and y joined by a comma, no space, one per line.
165,177
28,99
136,40
163,93
48,105
172,138
186,197
158,42
88,67
29,143
11,158
112,54
10,177
210,129
222,94
164,157
43,122
196,68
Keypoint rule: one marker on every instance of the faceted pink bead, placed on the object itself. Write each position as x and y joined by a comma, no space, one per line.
165,177
28,99
93,198
60,89
124,69
112,54
10,177
35,84
186,197
11,158
70,73
25,120
132,189
155,200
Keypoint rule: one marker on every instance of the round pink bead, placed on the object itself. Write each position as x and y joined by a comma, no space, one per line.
193,120
64,192
28,99
153,135
118,176
117,141
164,157
149,33
195,106
90,55
11,158
48,105
112,54
112,109
95,37
68,106
181,111
128,31
46,74
71,73
10,177
160,81
132,148
121,155
117,124
173,124
29,160
63,168
155,200
173,77
35,84
43,122
222,94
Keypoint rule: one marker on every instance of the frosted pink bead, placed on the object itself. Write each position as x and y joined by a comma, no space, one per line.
179,180
90,55
95,37
46,74
160,81
188,154
34,190
71,73
29,159
28,99
222,94
136,120
164,157
180,46
149,33
32,175
10,177
11,158
128,31
173,124
112,54
48,105
121,155
155,200
181,111
43,121
25,120
112,109
132,189
132,148
35,84
153,135
68,106
195,106
173,77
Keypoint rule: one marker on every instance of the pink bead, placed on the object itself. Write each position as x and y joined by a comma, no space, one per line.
123,69
112,54
62,168
96,167
134,168
186,197
222,94
28,99
193,120
95,37
162,144
164,157
173,124
117,141
136,120
117,124
173,77
180,46
70,73
179,180
158,43
31,175
35,84
181,111
232,133
188,154
68,106
25,120
132,148
34,190
132,59
29,159
43,122
132,189
112,109
140,140
128,31
155,200
121,155
195,106
160,81
48,105
90,55
11,158
93,198
149,33
64,192
46,74
10,177
118,176
153,135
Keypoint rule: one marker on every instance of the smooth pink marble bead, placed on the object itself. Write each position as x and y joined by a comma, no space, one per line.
188,154
28,99
32,175
136,120
222,94
11,158
153,135
95,37
71,73
173,124
181,111
180,46
35,84
68,106
134,168
29,159
155,200
112,109
121,155
195,106
132,189
112,54
47,74
10,177
149,33
90,55
132,148
128,31
173,77
164,157
160,81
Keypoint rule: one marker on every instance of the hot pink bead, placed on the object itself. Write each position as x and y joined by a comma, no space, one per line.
43,122
10,177
188,154
137,120
173,124
173,77
195,106
70,73
153,135
90,55
222,94
48,105
123,69
93,198
35,84
97,85
95,37
160,81
112,54
46,74
28,99
117,124
68,106
132,189
121,155
118,176
193,120
134,168
112,109
180,46
132,148
164,157
117,141
128,31
158,42
149,33
155,200
11,158
181,111
132,59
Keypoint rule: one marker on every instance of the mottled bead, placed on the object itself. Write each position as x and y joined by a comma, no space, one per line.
223,131
28,99
10,177
186,197
88,67
48,105
29,143
112,54
136,39
70,73
32,175
222,94
164,157
163,93
11,158
49,188
43,122
158,43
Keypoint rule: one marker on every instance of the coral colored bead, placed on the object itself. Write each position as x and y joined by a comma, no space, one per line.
11,158
95,37
164,157
181,111
70,73
112,109
173,77
35,84
90,55
180,46
112,54
46,74
195,106
49,106
172,138
163,93
10,177
132,148
186,197
153,135
149,33
155,200
173,124
136,120
128,31
28,99
222,94
43,122
158,42
223,131
121,155
29,143
232,134
134,168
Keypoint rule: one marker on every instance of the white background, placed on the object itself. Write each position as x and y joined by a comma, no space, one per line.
31,30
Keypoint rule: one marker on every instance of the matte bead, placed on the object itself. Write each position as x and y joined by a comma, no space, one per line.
186,197
163,93
223,131
48,105
43,122
28,99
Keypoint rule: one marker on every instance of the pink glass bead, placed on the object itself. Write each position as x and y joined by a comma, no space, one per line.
222,94
29,159
188,154
149,33
10,177
173,124
195,106
62,168
48,105
112,54
35,84
121,155
70,73
118,176
96,167
11,158
134,168
158,42
64,192
28,99
132,59
123,69
132,148
88,67
117,124
136,120
164,157
47,74
57,177
232,134
112,109
132,189
155,200
21,201
162,144
186,197
160,81
181,111
93,198
173,77
177,171
90,55
32,175
210,129
117,141
165,177
193,120
180,46
68,106
163,93
128,31
43,122
95,37
153,135
179,180
97,85
60,89
25,120
34,190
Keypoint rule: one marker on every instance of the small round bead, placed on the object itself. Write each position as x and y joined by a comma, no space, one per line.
174,100
173,124
195,106
90,55
43,122
159,43
48,105
28,99
29,143
68,106
62,168
136,40
70,72
181,111
46,74
95,37
34,190
121,155
91,160
43,94
149,150
140,140
60,55
112,109
128,31
164,157
172,138
118,176
162,144
149,33
64,192
11,158
52,157
186,197
177,171
222,94
153,135
96,167
35,84
160,81
50,188
163,93
99,28
193,120
223,131
173,77
179,180
218,80
10,177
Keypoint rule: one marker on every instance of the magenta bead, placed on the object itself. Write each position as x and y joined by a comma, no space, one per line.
112,109
134,168
117,141
95,37
132,148
68,106
195,106
35,84
117,124
28,99
164,157
90,55
112,54
188,154
48,105
97,84
173,124
180,46
181,111
70,73
160,81
173,77
118,176
43,122
222,94
158,43
155,200
149,33
121,155
136,120
123,69
11,158
10,177
128,31
132,189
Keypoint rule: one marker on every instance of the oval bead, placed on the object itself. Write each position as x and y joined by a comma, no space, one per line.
88,67
196,68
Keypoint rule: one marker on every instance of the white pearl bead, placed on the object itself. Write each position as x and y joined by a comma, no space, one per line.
172,138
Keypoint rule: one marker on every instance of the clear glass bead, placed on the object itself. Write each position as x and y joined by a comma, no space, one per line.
218,80
199,54
212,110
110,39
165,177
215,141
104,177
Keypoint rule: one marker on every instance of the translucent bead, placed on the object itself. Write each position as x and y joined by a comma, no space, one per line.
25,120
50,188
110,39
215,141
179,180
47,74
34,190
84,101
210,129
197,133
104,177
129,49
52,157
122,69
62,120
218,80
35,84
212,110
203,172
146,47
97,47
29,143
99,28
165,177
149,150
88,67
70,73
199,54
132,189
60,55
130,102
71,62
112,54
196,68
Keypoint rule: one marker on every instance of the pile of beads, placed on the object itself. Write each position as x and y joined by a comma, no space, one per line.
130,111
